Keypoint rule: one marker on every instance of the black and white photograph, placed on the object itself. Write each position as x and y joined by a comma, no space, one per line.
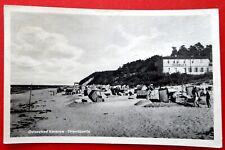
112,76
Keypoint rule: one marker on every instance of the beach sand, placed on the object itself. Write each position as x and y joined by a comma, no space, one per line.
118,116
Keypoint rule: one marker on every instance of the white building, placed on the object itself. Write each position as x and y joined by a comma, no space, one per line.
188,65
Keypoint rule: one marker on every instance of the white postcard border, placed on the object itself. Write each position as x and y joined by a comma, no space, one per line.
217,142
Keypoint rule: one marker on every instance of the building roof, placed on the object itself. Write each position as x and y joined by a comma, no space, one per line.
186,57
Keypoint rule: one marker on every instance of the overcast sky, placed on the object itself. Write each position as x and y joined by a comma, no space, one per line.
65,48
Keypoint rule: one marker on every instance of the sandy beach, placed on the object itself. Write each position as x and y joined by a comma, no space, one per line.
118,116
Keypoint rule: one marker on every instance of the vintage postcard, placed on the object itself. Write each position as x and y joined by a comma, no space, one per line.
112,76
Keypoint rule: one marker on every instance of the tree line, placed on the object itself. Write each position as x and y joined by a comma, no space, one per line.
193,51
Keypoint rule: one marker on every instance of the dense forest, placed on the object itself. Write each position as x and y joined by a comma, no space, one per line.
145,71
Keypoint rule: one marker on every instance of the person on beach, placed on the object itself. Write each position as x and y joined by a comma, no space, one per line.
149,91
208,98
196,97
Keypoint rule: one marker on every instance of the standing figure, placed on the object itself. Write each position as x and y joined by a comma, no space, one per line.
195,96
149,91
208,98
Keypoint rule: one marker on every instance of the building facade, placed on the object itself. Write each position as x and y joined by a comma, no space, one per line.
194,66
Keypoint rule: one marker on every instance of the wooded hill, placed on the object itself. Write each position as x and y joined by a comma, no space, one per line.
145,71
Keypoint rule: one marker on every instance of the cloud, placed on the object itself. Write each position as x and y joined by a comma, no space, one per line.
37,54
115,54
137,47
36,42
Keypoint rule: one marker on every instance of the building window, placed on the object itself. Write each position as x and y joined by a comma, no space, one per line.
174,61
196,69
190,70
185,70
168,61
175,69
177,62
168,69
184,61
192,61
207,69
202,69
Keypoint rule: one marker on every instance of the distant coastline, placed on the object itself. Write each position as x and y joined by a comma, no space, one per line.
22,88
